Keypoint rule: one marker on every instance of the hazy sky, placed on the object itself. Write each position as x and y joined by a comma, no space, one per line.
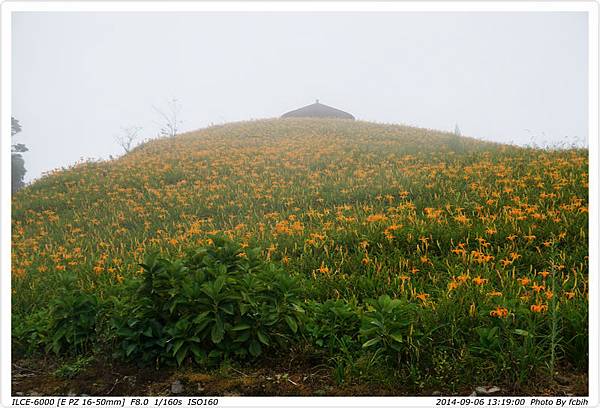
78,78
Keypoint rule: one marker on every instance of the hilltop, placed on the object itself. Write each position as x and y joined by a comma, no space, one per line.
287,142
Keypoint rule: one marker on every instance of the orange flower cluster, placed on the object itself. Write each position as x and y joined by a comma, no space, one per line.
499,312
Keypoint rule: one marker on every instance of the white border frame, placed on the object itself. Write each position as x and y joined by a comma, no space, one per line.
8,7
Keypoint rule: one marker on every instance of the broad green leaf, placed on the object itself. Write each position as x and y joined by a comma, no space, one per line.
371,342
376,323
293,325
217,332
130,349
181,355
241,326
227,308
243,337
201,325
177,345
244,307
255,348
218,284
264,339
201,317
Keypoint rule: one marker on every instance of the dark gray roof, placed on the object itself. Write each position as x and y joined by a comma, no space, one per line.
317,110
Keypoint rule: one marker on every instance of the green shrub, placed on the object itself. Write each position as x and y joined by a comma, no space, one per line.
72,322
66,326
333,325
29,334
388,327
218,302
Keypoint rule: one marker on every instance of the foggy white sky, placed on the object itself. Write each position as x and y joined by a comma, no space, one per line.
79,77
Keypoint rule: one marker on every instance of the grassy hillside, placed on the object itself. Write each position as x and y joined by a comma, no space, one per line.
485,244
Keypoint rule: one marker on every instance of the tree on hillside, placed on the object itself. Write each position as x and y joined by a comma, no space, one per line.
15,126
17,161
457,130
130,134
170,118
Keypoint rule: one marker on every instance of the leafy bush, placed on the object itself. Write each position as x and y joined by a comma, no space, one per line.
388,327
72,322
333,324
29,334
66,326
218,302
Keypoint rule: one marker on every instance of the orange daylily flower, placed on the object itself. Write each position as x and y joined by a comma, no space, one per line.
499,312
479,281
539,308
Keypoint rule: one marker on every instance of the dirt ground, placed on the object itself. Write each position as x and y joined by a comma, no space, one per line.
107,378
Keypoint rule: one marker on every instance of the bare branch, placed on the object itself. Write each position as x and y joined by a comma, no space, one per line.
171,124
130,134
